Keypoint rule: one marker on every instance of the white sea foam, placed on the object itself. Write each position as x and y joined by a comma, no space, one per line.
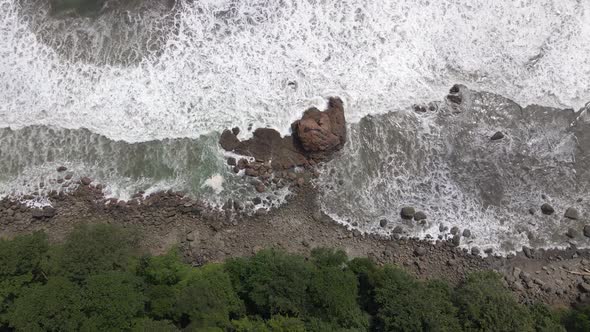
230,63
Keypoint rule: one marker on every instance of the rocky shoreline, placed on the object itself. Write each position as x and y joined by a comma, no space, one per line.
168,219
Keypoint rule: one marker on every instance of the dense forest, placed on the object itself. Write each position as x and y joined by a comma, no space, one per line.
99,280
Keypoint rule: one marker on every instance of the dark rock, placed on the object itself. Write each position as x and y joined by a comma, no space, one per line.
454,98
584,287
419,251
62,169
466,233
547,209
398,230
383,223
37,213
407,212
475,251
228,140
235,131
442,228
260,187
251,172
587,231
86,181
419,109
455,230
419,216
528,252
231,161
488,251
49,212
571,233
498,135
257,200
357,233
456,240
243,163
532,211
572,213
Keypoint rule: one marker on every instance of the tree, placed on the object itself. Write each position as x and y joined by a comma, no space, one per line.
486,305
206,299
150,325
55,306
405,304
333,290
545,320
112,300
21,261
577,319
95,249
167,269
272,282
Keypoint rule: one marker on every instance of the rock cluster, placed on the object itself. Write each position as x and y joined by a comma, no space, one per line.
315,137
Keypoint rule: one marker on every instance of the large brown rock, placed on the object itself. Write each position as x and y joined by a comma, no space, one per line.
315,136
322,131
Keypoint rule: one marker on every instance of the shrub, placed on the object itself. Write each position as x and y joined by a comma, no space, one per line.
486,305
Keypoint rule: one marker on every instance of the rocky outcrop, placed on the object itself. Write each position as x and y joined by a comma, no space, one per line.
315,137
321,132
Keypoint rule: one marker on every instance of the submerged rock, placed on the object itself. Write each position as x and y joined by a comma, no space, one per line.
547,209
572,213
419,216
497,136
407,212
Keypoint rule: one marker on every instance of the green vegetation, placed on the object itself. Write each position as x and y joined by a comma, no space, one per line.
97,280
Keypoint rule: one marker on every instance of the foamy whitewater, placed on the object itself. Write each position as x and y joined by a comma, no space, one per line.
136,97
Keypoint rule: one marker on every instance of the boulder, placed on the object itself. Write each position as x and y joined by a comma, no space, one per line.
572,213
571,233
383,223
466,233
455,230
231,161
407,212
62,169
475,251
398,230
322,132
228,140
497,136
587,231
86,181
547,209
419,216
419,251
456,240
